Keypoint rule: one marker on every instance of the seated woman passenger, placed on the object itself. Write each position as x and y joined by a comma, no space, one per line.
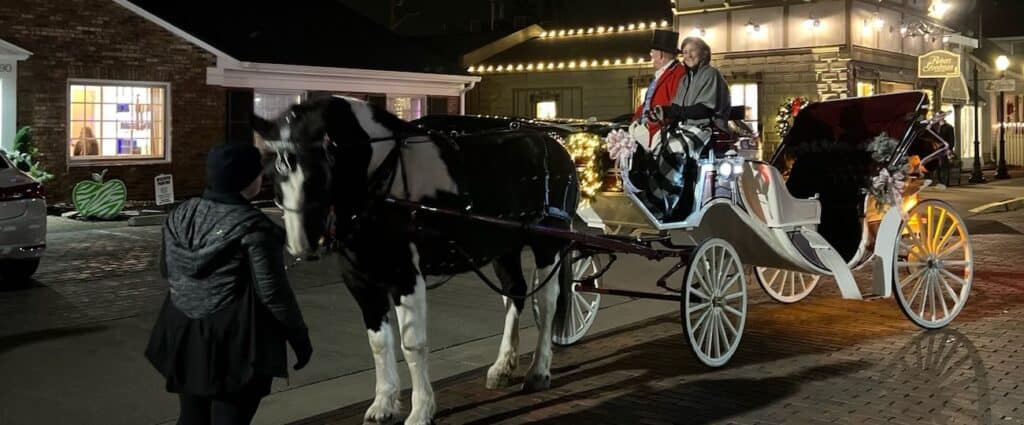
703,95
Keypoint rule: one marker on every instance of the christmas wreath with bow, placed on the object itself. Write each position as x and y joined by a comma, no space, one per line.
787,112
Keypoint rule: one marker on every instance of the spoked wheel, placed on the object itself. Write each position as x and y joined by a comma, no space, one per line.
714,303
934,264
786,286
576,310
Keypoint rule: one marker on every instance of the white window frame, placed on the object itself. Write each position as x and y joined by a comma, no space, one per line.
78,161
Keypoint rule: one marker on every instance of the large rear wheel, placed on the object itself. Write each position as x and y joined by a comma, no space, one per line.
786,286
576,310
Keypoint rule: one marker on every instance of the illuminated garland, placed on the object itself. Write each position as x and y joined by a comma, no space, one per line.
787,111
584,148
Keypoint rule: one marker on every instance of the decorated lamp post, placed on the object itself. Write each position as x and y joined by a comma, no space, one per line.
1002,62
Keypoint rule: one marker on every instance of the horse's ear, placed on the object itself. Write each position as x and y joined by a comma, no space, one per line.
266,129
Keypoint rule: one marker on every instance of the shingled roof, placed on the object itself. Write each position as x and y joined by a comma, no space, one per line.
298,32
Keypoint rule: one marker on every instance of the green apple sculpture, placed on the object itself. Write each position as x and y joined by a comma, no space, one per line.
99,199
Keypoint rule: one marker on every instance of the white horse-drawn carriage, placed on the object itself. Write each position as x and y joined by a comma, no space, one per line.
823,206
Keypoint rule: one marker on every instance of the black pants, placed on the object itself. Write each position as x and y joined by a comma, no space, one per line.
228,409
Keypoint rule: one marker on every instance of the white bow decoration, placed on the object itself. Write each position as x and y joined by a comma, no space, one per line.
888,188
621,146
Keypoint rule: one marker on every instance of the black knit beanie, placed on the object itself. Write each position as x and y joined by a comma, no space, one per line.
231,167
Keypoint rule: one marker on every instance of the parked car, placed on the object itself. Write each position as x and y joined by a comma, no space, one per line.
22,223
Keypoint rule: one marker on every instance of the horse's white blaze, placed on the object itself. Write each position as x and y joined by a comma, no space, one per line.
386,403
292,199
412,321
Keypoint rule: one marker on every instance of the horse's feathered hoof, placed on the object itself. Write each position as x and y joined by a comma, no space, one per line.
537,383
497,378
383,411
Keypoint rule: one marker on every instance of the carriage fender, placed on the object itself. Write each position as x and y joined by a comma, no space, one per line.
835,263
885,251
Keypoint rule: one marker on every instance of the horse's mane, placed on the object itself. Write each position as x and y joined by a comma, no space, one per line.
385,118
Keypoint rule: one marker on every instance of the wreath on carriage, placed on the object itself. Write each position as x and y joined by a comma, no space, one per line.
787,112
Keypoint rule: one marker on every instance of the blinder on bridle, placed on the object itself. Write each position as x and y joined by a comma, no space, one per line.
286,161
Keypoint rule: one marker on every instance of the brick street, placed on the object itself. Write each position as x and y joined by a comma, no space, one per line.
824,360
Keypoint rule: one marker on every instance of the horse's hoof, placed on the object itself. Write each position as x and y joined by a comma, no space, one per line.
537,383
423,417
497,379
382,411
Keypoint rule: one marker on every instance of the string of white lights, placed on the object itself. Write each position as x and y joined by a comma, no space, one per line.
598,30
581,64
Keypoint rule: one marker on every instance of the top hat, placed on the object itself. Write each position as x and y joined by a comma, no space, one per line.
666,41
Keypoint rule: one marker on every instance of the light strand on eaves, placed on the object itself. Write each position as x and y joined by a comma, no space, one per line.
580,65
598,30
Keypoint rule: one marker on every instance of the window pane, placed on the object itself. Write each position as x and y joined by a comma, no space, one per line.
77,94
116,121
547,109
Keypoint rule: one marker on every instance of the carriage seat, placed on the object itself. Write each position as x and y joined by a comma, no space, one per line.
765,194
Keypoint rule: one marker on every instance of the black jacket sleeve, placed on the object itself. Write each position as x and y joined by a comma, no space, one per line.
264,248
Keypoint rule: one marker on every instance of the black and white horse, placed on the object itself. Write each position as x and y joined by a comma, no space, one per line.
345,154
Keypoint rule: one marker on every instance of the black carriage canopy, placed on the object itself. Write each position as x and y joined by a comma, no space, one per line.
826,154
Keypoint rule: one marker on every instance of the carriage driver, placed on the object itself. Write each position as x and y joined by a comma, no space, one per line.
663,88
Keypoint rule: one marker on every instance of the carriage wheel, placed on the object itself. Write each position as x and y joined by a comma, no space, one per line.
934,264
714,304
576,310
786,286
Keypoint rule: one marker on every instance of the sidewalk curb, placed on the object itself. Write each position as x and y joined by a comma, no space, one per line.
147,220
1001,206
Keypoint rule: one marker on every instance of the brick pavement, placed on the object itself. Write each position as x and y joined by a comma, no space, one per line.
825,360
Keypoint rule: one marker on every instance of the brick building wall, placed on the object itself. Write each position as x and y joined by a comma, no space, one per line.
603,94
816,74
98,39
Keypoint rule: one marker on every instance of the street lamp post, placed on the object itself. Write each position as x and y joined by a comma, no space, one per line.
976,175
1002,63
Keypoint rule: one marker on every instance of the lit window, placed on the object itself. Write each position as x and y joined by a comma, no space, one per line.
641,95
407,107
272,104
547,109
865,88
113,121
746,95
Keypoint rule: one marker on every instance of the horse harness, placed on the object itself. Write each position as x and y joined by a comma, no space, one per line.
387,171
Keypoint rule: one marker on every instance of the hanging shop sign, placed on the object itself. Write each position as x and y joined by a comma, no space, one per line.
954,90
1004,84
938,64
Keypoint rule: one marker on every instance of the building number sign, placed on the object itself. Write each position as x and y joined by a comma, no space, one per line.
6,67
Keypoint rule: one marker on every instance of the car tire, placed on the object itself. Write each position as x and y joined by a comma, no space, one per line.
12,271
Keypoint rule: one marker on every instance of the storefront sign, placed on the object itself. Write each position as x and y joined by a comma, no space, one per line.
164,185
1005,84
954,90
938,64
